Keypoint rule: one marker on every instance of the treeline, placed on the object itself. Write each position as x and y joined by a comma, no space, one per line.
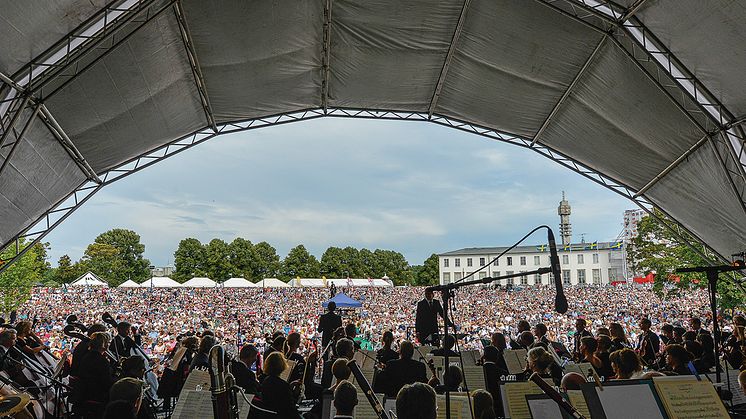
118,255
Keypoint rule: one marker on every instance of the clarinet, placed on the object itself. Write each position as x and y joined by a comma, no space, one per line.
365,386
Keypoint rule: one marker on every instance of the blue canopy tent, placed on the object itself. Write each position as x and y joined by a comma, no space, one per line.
343,300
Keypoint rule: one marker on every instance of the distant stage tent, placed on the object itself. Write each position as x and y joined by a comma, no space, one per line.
129,284
238,283
160,282
340,282
199,282
272,283
88,279
343,300
646,98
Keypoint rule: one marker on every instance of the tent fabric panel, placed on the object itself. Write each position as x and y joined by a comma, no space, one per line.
618,121
137,98
707,37
29,27
698,194
39,174
258,58
389,55
513,62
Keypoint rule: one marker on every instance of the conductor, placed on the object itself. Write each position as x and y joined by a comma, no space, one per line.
328,323
426,322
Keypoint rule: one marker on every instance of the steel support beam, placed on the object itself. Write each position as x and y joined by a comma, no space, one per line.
19,138
632,10
199,80
673,165
449,57
568,90
22,103
326,55
67,144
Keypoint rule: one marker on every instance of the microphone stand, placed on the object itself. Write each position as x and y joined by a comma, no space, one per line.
447,291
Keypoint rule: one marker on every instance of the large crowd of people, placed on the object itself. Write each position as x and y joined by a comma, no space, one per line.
622,331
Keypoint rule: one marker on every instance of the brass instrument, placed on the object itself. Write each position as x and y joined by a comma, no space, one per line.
224,403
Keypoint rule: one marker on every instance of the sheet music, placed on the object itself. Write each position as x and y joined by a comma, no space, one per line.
459,407
514,398
690,399
286,373
581,368
368,361
617,402
390,405
730,379
544,408
197,378
474,377
194,404
174,364
470,357
577,400
515,359
364,410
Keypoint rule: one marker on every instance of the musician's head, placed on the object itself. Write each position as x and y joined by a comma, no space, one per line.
539,360
540,330
275,364
387,338
345,398
133,366
23,328
677,356
484,407
739,320
331,306
429,295
452,376
190,342
526,338
572,381
667,331
588,345
128,389
124,328
345,348
206,343
99,342
406,349
498,341
416,401
604,343
645,324
742,381
625,362
340,370
8,338
248,354
491,354
292,343
678,333
350,330
96,327
524,326
449,342
695,323
279,342
580,325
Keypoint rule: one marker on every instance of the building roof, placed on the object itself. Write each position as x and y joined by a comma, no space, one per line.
595,87
88,279
199,282
129,284
238,283
494,251
272,283
160,282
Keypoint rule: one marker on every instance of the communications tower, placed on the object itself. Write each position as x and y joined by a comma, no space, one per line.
565,229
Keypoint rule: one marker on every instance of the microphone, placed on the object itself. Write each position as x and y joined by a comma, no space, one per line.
560,302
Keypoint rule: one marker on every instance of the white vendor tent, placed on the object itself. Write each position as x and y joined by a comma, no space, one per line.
272,283
88,279
199,282
238,283
129,284
160,282
340,282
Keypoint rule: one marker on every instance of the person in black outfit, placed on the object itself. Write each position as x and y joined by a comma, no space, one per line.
292,344
648,343
241,369
426,321
81,349
399,372
351,333
580,333
277,394
386,354
122,344
96,376
202,359
677,358
448,343
523,326
345,400
494,367
328,323
452,378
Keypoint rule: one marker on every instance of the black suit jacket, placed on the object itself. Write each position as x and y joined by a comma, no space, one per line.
96,377
397,373
277,396
426,322
328,323
245,377
492,380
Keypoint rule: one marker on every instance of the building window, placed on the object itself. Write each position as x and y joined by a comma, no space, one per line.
566,276
612,274
595,258
510,261
457,262
537,260
524,280
537,279
446,277
510,280
581,276
609,257
445,262
495,274
482,275
468,261
523,260
580,259
456,276
481,261
495,263
565,259
597,276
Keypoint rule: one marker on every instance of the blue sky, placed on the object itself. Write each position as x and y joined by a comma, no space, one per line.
414,187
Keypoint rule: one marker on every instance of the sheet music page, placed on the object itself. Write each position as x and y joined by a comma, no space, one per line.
369,361
515,359
364,410
390,405
459,407
544,409
196,378
286,373
359,358
514,398
690,399
474,377
581,368
577,400
617,402
174,364
193,405
470,357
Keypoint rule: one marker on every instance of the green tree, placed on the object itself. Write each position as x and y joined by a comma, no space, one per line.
331,263
241,255
16,281
299,263
66,272
266,261
656,249
369,264
395,265
190,260
42,259
131,263
105,261
428,273
218,264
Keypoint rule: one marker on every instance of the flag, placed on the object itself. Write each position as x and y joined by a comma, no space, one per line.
566,248
617,245
593,245
542,248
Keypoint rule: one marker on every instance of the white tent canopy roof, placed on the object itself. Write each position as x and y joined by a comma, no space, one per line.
339,282
576,84
272,283
88,279
199,282
129,284
160,282
238,283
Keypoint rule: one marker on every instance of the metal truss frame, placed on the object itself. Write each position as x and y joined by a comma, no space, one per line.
63,209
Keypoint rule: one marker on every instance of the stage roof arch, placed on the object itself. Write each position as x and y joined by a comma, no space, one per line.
644,97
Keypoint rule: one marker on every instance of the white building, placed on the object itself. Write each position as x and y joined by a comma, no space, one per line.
582,263
631,218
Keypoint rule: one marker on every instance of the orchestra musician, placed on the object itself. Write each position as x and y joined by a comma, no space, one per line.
523,326
11,363
386,354
241,369
81,349
277,394
648,343
122,344
580,332
31,345
399,372
96,376
426,320
328,323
